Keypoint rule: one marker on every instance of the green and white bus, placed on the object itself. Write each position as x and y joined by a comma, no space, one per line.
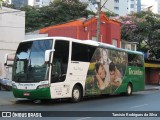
61,67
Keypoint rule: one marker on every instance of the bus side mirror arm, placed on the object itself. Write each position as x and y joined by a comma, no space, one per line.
47,55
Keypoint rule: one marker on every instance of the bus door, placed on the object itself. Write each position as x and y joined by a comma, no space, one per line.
59,68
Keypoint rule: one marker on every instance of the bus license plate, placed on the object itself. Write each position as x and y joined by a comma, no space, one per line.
26,94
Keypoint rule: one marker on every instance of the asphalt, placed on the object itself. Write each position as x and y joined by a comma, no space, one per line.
7,98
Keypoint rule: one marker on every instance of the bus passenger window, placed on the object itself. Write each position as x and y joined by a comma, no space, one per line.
82,52
135,60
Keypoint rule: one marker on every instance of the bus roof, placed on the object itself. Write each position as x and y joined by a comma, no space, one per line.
94,43
120,49
136,52
88,42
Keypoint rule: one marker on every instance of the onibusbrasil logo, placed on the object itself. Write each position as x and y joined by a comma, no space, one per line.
21,114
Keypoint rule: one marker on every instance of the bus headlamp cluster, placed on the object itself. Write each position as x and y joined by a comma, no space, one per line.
14,86
43,86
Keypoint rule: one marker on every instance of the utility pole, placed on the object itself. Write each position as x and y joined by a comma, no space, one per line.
98,20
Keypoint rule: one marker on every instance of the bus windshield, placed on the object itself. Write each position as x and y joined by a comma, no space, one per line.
29,64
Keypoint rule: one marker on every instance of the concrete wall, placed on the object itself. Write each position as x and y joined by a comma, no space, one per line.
12,31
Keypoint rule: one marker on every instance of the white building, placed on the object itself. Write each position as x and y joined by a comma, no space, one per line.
153,5
119,7
34,34
12,31
129,45
122,7
36,3
39,3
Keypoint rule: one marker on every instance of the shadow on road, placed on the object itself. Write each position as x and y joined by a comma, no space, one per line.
67,101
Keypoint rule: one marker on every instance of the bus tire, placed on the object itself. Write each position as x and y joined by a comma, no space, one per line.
76,94
129,89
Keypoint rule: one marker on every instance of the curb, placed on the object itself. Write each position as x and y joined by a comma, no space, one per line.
152,88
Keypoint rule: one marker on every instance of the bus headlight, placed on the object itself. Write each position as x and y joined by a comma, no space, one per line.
43,86
14,86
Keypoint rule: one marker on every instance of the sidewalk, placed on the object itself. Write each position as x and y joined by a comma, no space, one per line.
6,97
151,87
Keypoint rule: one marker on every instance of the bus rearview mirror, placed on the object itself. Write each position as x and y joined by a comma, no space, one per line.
9,59
47,55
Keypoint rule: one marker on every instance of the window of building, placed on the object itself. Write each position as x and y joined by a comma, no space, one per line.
133,47
114,42
123,45
94,38
117,1
116,8
132,5
37,0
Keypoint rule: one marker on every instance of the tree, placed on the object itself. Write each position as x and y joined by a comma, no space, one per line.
32,19
5,3
57,12
144,28
110,14
8,5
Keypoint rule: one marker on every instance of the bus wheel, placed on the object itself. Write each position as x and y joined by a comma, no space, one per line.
76,94
129,89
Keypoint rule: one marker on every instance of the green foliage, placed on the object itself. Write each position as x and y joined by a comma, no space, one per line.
5,4
109,14
143,28
32,19
57,12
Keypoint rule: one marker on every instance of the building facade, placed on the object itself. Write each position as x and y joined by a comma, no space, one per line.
139,5
152,71
36,3
153,6
119,7
123,7
12,31
86,30
129,45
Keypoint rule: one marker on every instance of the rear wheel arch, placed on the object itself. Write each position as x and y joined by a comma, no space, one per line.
77,93
129,89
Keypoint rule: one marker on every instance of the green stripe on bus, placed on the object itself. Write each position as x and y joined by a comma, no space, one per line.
43,93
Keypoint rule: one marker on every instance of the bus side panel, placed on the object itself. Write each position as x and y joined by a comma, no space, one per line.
135,76
106,72
76,73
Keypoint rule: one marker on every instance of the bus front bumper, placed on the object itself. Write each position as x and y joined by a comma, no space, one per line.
43,93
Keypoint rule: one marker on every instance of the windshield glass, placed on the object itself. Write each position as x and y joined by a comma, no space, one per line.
30,61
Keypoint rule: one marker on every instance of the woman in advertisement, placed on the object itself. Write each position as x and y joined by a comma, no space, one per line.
106,70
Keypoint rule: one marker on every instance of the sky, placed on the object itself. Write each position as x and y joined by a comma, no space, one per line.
147,2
